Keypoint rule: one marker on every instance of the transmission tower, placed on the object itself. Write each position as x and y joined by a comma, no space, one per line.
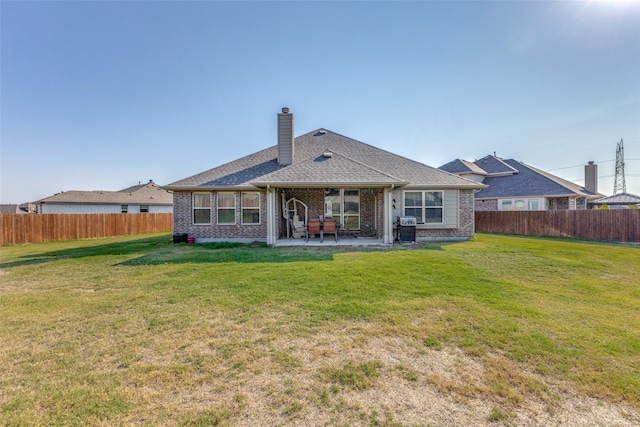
619,185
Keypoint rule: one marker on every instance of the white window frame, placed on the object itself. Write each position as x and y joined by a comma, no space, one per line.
244,208
511,204
219,208
342,216
424,207
202,208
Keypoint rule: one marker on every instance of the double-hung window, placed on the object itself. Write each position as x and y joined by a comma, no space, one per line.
226,208
250,208
201,208
426,206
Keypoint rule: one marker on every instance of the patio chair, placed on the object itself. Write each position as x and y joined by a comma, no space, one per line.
313,227
330,227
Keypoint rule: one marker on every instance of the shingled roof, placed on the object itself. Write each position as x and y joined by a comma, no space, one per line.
529,182
350,162
619,199
512,178
146,194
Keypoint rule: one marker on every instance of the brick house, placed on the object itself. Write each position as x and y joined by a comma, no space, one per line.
514,185
269,196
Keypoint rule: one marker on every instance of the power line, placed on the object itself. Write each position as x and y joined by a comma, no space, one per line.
597,162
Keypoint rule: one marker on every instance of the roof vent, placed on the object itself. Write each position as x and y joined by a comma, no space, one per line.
327,154
320,133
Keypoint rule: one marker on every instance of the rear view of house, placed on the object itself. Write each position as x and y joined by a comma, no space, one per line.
272,195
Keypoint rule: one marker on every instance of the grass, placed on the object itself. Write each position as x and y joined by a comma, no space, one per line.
137,330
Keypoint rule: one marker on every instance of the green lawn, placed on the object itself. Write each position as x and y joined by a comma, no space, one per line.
137,330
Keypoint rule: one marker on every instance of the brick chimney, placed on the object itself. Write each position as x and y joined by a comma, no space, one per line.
285,137
591,177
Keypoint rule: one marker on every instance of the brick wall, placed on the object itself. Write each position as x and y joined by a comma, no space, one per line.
183,222
486,205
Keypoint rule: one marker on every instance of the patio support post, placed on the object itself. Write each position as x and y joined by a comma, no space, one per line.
271,216
387,229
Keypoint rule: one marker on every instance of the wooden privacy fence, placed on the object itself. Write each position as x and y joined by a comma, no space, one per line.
33,228
620,225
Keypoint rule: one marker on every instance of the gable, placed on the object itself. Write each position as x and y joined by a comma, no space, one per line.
327,169
495,166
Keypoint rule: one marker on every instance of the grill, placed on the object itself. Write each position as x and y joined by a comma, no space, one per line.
407,229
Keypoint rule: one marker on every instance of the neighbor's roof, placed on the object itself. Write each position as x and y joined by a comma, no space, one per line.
512,178
10,209
146,194
351,163
462,167
529,182
495,165
619,199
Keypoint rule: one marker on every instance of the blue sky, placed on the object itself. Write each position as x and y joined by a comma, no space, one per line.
102,95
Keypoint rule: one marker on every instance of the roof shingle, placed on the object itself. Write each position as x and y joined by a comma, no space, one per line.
352,162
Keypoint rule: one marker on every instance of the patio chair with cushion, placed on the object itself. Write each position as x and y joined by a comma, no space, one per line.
330,227
313,227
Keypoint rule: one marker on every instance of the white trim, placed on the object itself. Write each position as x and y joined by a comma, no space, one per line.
388,216
423,207
271,216
193,208
242,208
542,205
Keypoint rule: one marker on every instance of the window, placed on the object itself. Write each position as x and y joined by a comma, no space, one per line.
202,208
426,206
519,204
250,208
351,216
226,208
344,206
124,208
144,208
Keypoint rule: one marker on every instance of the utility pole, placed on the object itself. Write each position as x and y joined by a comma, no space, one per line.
619,184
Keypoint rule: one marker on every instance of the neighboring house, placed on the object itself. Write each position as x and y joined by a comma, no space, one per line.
10,209
269,195
618,201
137,199
514,185
18,209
